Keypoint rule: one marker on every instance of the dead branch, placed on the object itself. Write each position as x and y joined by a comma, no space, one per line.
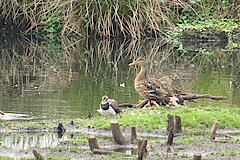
103,151
190,96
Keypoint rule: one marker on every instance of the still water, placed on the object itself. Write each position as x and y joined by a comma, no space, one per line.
68,80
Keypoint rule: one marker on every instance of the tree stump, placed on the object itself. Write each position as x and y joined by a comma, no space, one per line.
142,149
92,141
133,134
178,125
116,132
197,156
170,122
213,131
170,137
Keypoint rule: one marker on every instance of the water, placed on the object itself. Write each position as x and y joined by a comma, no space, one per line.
68,81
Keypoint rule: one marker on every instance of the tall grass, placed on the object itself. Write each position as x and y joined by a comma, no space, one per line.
103,18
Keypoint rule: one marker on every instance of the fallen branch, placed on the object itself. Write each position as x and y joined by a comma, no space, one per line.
190,96
103,151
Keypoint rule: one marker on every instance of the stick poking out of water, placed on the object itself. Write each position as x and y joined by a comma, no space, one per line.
92,141
213,131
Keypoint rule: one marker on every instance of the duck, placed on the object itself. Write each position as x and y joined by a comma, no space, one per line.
153,89
108,107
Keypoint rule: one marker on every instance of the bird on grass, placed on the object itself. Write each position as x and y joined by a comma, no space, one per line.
108,107
153,89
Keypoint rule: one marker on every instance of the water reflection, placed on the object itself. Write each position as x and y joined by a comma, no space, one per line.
28,141
14,116
68,81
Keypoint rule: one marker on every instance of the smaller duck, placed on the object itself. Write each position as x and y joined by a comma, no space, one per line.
108,107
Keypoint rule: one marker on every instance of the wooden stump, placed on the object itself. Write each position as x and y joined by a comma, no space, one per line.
116,132
170,122
133,134
92,141
178,125
37,155
142,149
197,156
170,137
213,131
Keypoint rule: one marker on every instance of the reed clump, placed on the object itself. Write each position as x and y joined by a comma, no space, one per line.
103,18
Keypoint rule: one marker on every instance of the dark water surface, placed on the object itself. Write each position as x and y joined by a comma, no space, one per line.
65,80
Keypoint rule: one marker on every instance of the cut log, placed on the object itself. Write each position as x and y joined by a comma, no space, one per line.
213,131
103,151
37,155
133,134
170,137
92,141
178,125
170,122
142,149
116,133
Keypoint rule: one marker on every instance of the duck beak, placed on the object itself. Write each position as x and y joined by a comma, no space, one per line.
132,64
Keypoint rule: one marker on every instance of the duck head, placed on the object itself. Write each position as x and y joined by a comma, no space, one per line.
139,62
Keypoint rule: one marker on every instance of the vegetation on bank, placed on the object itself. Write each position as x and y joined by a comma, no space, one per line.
107,18
194,118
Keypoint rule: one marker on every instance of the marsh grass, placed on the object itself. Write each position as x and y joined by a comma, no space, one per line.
102,18
194,118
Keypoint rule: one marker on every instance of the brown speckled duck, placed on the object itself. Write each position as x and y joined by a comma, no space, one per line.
159,90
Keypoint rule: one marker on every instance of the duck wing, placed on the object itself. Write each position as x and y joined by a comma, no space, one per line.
114,105
151,88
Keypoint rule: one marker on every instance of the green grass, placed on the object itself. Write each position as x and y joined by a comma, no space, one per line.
194,117
6,158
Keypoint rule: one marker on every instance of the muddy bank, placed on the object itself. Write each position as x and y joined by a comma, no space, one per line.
19,142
